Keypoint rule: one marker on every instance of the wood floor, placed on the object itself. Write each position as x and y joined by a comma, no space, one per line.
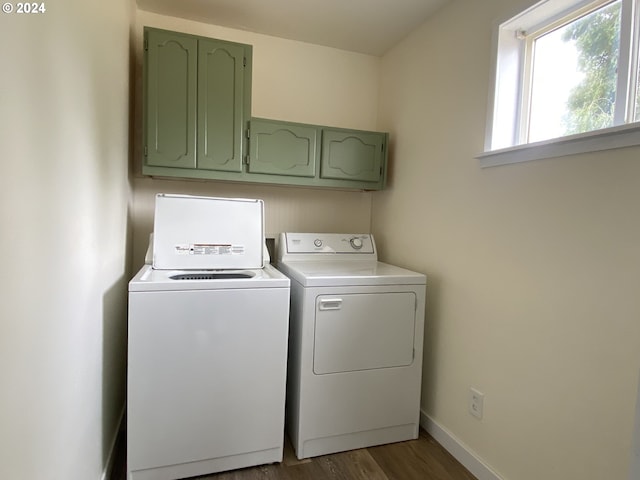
421,459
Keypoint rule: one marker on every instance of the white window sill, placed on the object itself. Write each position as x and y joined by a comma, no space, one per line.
598,140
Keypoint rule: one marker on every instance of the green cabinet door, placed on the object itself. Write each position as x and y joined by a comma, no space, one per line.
283,148
352,155
220,105
197,102
170,101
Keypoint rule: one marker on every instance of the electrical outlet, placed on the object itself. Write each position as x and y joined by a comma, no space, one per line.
476,403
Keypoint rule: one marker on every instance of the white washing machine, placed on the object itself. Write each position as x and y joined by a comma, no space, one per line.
355,344
208,326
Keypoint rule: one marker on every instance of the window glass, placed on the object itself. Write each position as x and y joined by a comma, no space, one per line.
573,75
555,75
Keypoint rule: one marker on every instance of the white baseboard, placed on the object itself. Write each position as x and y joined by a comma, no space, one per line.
108,468
459,450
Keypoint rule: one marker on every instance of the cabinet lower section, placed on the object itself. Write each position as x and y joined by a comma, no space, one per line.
288,153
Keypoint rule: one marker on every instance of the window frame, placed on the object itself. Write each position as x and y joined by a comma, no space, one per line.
507,102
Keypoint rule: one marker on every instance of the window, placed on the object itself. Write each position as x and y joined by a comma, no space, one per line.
567,73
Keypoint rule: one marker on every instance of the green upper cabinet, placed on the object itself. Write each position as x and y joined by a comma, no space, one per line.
197,124
283,148
197,100
352,155
302,154
171,83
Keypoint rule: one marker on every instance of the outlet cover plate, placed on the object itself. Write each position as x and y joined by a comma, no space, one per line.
476,403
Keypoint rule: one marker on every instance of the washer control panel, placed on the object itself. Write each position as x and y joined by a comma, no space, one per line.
328,243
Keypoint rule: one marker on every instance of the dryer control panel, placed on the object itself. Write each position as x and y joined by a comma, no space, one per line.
361,245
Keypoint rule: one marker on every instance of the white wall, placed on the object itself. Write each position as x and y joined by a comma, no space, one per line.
533,281
292,81
64,130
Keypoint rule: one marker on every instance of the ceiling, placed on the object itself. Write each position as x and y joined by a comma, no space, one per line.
365,26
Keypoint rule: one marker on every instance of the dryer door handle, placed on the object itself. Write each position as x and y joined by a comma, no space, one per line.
330,304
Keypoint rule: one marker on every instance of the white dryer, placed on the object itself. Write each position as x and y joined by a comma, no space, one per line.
355,344
208,326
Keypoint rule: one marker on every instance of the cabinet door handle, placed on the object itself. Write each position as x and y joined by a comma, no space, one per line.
330,304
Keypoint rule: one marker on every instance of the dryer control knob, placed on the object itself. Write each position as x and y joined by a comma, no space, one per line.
356,243
317,242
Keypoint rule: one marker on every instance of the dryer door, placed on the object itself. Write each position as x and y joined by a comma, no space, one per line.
363,331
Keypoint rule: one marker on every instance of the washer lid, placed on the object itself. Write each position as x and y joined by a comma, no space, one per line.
149,279
192,232
342,273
